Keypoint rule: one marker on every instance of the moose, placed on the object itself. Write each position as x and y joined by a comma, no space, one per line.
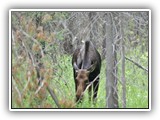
86,62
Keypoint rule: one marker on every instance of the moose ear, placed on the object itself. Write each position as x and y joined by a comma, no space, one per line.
75,66
92,67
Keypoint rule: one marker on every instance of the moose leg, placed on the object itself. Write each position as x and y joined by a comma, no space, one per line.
90,92
75,83
95,89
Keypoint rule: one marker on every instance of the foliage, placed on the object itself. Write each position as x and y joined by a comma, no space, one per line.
46,40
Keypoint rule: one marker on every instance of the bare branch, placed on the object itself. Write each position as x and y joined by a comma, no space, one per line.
51,92
29,79
16,88
54,97
34,40
137,64
30,55
39,87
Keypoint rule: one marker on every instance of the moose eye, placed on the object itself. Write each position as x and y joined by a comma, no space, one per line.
76,71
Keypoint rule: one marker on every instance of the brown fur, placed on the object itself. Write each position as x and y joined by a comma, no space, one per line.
82,78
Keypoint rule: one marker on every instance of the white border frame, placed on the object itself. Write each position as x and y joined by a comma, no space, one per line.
90,109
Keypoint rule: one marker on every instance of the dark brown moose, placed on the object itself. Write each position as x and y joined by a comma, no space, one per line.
86,64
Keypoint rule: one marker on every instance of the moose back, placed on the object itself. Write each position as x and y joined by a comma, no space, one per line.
86,64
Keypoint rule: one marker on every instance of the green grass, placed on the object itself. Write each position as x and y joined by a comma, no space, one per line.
62,82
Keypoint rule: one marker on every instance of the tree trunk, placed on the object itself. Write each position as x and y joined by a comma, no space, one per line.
103,56
111,81
123,64
93,25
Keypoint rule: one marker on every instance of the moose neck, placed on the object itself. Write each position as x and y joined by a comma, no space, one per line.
86,61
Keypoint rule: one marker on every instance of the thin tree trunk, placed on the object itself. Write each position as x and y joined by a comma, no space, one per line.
111,83
123,77
103,56
93,25
123,62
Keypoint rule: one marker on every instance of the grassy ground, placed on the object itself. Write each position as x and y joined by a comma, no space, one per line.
61,81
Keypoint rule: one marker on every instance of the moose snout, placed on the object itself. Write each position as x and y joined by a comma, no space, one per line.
79,93
78,97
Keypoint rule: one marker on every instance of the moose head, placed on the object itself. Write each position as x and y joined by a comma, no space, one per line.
82,79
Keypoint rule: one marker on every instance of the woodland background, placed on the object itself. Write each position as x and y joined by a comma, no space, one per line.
42,47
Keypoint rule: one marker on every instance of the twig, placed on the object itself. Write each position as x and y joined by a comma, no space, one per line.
138,65
51,92
54,97
28,51
16,88
29,79
39,87
34,40
30,55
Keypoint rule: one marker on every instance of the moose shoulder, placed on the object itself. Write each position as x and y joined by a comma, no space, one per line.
86,64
